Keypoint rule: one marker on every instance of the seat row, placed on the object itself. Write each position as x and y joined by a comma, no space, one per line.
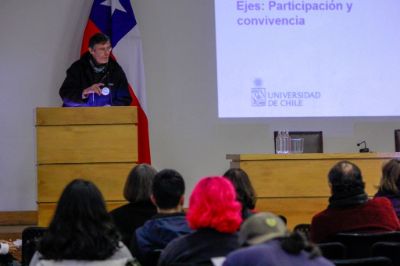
357,248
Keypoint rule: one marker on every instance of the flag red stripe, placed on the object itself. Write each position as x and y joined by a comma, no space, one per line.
143,131
90,29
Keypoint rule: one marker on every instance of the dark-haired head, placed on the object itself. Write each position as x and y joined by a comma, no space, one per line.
168,189
345,179
98,38
81,228
244,190
390,181
100,50
138,185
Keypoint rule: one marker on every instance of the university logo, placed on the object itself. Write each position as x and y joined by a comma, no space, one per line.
258,94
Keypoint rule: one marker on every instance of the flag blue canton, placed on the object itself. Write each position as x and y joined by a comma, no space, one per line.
115,25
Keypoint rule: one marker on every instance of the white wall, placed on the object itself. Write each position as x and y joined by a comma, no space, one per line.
41,38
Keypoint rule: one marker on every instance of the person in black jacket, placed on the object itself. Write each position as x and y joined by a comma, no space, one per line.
137,192
96,79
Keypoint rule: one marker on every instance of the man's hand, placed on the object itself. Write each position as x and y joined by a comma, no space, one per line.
95,88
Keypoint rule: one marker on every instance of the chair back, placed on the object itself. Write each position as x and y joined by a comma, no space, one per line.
397,140
359,244
30,239
313,141
333,250
390,250
372,261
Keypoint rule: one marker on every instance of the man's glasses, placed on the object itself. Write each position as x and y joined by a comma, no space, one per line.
104,49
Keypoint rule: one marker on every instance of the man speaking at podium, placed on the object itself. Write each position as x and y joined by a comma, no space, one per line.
95,79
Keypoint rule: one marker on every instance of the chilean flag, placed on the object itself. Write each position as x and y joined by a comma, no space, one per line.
115,18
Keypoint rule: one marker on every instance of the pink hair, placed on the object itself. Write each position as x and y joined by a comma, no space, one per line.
213,204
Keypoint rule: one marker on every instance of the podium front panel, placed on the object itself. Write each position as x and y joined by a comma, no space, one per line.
99,144
87,144
109,178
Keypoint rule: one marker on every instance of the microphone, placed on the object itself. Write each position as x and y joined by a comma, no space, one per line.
365,149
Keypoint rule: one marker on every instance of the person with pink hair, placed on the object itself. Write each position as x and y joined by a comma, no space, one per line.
215,214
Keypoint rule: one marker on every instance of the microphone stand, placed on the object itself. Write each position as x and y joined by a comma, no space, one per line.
365,149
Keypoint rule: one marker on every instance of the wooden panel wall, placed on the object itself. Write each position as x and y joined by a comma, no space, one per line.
18,218
296,185
46,210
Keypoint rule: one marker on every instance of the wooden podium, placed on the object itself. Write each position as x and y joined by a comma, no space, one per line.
93,143
296,185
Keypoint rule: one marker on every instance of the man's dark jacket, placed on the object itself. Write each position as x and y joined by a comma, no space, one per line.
156,233
81,75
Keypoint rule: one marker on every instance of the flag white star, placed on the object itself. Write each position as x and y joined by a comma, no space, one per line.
114,4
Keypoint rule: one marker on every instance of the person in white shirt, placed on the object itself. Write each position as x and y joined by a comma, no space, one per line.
10,250
9,247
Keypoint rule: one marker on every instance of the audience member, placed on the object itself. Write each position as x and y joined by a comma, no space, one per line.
81,230
245,193
10,252
137,191
390,184
215,214
8,247
349,208
270,244
168,224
